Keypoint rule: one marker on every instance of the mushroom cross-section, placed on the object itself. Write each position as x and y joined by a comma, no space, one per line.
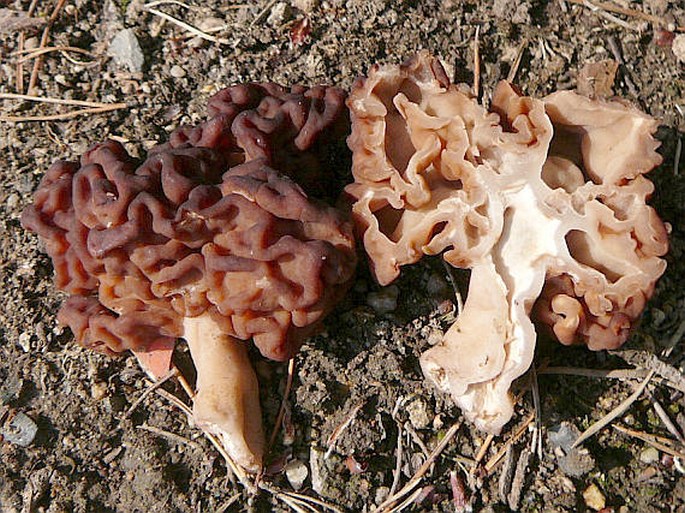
207,241
543,200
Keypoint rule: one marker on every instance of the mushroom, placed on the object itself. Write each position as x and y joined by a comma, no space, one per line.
543,200
205,240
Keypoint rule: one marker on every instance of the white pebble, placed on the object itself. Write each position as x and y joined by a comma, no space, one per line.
177,71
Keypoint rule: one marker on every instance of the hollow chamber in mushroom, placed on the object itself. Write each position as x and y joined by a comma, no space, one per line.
210,239
544,200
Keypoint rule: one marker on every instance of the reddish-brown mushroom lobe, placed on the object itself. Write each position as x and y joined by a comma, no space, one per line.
207,224
543,199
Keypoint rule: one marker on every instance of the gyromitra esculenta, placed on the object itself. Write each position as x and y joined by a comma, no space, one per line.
543,200
210,239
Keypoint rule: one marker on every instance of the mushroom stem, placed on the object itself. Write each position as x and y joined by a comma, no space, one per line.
226,403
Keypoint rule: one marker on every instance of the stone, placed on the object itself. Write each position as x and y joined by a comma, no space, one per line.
594,498
296,472
126,51
678,47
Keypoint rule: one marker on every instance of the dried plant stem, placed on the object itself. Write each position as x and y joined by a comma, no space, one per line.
33,53
169,436
660,443
65,115
517,61
186,26
615,413
476,63
154,386
398,461
20,46
43,41
494,461
387,505
339,430
625,11
299,497
281,410
59,101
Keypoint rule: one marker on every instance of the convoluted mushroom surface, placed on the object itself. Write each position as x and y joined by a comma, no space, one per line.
205,240
543,199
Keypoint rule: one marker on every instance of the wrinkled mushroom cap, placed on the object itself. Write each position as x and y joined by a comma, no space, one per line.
204,225
539,198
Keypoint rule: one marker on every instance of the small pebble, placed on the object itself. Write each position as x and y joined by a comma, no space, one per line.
385,300
649,455
98,391
419,416
20,430
594,499
678,47
296,472
177,71
126,51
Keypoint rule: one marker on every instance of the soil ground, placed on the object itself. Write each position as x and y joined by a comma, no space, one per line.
89,456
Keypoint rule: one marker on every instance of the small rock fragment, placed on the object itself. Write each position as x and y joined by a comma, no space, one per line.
19,430
177,71
306,6
649,455
678,47
419,416
126,51
573,462
98,391
296,472
594,498
279,13
385,300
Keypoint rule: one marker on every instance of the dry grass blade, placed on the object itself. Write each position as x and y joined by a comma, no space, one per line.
537,405
595,373
33,53
169,436
660,443
186,26
517,61
483,449
652,362
339,430
387,505
676,158
613,414
494,461
64,115
228,503
281,410
44,41
611,374
398,461
58,101
617,9
476,62
300,497
154,386
670,425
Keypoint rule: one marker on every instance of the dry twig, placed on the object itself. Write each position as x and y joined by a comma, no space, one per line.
154,386
625,11
491,465
476,62
658,442
36,52
387,505
339,430
281,410
169,436
186,26
44,41
613,414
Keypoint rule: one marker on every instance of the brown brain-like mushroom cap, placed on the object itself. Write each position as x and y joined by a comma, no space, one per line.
204,225
539,198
